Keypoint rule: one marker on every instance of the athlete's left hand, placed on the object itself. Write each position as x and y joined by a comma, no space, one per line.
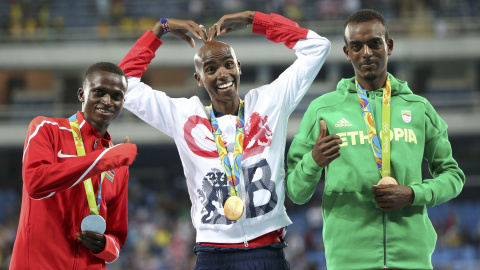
94,241
392,197
231,22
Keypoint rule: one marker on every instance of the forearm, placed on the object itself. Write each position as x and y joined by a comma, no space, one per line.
448,178
303,174
138,58
42,178
117,221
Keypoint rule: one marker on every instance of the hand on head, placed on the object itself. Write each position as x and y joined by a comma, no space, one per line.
228,23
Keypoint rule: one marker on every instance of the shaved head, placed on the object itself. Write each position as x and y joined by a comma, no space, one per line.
209,50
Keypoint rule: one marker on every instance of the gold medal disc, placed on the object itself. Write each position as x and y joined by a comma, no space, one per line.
233,208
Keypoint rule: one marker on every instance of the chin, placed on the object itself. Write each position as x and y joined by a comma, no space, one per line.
369,75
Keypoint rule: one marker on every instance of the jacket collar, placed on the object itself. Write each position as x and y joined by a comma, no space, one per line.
398,86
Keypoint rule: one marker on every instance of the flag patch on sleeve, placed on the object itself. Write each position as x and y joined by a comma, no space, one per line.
109,175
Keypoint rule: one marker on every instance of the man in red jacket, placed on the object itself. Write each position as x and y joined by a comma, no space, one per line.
74,198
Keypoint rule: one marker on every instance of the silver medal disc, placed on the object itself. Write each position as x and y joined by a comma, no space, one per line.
94,223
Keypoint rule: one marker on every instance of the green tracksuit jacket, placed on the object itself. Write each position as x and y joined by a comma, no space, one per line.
356,234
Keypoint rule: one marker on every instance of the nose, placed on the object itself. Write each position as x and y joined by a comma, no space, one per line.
107,100
222,73
366,51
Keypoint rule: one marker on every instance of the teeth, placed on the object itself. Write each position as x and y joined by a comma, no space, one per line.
225,85
105,111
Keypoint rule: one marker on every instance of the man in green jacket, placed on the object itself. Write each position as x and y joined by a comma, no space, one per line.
371,128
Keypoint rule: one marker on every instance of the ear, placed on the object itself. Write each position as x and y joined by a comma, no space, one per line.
198,79
239,68
390,46
80,95
345,51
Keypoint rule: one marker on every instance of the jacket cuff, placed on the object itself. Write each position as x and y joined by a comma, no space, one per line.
260,22
150,41
110,253
423,194
310,166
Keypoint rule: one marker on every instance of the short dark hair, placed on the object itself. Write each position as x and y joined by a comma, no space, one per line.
366,15
103,66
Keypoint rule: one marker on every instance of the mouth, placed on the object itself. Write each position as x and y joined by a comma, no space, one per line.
367,64
226,87
105,111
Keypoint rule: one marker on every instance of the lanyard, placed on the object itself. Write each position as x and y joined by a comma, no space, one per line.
233,175
77,137
380,151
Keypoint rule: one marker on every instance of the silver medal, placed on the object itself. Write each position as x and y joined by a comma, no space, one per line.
94,223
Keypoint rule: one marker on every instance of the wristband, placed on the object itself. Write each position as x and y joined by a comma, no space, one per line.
165,26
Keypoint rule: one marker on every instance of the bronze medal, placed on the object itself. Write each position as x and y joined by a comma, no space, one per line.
233,208
387,181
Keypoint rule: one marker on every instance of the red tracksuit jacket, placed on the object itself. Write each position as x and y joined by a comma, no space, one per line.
54,202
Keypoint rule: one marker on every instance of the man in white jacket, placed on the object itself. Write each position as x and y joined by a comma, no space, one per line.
232,151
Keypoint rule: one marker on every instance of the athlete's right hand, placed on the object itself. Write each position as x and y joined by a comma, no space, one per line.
127,140
326,148
180,28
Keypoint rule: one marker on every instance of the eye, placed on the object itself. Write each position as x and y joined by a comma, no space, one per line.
97,92
356,47
229,64
210,69
376,44
117,97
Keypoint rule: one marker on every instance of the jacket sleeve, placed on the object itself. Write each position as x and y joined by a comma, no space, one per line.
310,48
448,178
152,106
43,176
117,223
303,173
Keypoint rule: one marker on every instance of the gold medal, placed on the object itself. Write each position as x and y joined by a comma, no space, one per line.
387,181
233,208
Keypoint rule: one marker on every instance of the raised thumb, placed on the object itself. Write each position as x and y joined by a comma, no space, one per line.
323,129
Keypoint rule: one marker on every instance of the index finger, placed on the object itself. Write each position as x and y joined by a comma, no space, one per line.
90,236
212,32
203,33
127,139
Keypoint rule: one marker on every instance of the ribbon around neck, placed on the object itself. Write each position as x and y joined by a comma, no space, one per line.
233,174
77,137
381,151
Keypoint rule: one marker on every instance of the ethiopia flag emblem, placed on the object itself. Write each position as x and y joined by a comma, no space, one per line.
406,116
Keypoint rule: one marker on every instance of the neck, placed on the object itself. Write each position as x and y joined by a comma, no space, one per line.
226,107
374,84
101,129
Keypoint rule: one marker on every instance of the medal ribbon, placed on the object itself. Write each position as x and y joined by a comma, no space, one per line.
380,151
77,137
233,175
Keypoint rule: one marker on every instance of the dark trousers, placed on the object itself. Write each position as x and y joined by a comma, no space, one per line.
268,257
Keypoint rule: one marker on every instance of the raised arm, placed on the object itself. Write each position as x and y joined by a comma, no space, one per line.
155,107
